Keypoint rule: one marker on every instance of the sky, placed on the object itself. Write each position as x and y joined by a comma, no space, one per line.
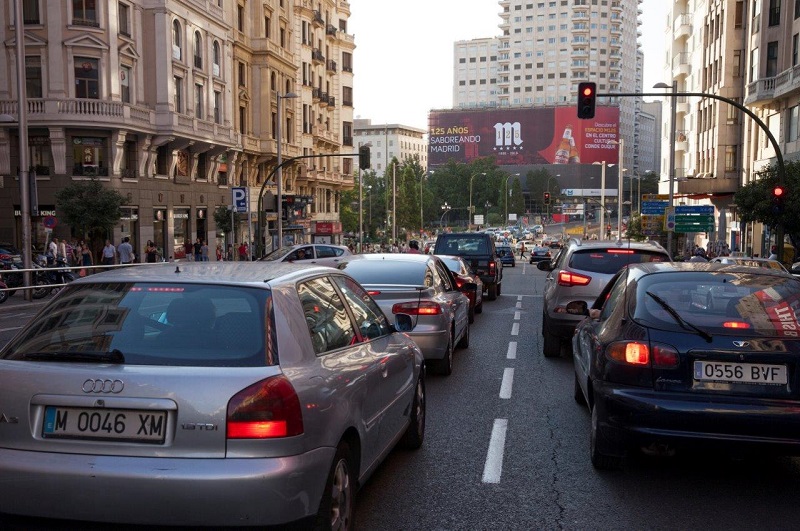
403,62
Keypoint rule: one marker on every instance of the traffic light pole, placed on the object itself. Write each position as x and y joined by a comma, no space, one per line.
779,232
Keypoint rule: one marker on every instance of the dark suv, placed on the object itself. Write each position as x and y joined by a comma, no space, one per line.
577,275
478,250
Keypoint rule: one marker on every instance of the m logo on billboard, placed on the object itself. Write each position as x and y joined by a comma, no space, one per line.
507,135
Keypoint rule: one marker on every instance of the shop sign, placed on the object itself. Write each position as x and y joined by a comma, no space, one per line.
44,210
182,214
328,227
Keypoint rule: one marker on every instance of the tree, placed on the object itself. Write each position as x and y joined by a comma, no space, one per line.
754,200
90,209
222,219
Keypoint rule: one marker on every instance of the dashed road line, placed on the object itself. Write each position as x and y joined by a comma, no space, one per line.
512,350
507,384
516,316
493,468
515,329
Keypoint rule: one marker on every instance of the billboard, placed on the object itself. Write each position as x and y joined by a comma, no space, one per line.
523,136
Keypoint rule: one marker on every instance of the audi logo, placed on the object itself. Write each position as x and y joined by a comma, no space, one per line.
103,386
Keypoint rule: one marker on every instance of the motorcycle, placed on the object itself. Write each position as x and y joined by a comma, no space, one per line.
56,272
14,279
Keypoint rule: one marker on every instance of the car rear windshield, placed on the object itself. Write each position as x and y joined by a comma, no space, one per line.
610,260
153,324
721,303
462,245
388,272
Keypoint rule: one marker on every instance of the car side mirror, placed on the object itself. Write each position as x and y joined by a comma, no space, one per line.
403,322
469,286
545,265
594,313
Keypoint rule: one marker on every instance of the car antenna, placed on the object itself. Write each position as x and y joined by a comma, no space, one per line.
177,269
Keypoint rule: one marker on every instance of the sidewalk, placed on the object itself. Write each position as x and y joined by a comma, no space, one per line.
18,303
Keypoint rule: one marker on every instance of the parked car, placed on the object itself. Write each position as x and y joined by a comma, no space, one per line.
420,286
506,254
205,394
661,370
310,253
463,275
576,276
479,250
539,254
752,262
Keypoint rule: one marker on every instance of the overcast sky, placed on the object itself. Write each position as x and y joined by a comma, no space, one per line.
403,63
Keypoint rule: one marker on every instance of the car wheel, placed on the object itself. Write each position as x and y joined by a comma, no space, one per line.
444,366
471,315
551,345
600,460
3,296
577,393
415,433
464,342
479,307
514,264
42,290
337,507
499,288
491,292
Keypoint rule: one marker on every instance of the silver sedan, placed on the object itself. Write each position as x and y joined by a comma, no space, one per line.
310,254
208,394
421,286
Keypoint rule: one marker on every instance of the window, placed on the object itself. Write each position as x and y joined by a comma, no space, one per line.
242,75
30,12
217,59
737,63
328,323
198,50
198,101
88,156
792,125
178,102
795,45
774,12
347,96
243,119
217,107
268,30
125,83
368,316
86,78
753,74
176,40
124,13
240,18
730,158
772,59
84,13
33,76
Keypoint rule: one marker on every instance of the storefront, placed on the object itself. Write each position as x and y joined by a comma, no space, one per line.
160,231
129,228
180,234
326,232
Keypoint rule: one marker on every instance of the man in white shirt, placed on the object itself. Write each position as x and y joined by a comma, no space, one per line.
125,251
52,249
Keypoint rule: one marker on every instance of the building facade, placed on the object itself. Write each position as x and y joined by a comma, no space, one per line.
389,141
174,103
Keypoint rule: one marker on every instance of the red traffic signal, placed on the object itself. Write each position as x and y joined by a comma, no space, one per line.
587,96
547,198
779,192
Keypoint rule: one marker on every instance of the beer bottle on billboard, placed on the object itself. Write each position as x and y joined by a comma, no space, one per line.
574,157
562,153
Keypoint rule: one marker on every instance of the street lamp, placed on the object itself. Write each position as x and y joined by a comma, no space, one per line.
446,209
621,144
486,207
505,223
279,176
421,218
603,197
369,203
673,119
469,222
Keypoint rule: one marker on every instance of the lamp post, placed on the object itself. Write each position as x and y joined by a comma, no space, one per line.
421,218
279,176
507,194
673,117
603,197
446,209
486,207
369,206
469,221
621,144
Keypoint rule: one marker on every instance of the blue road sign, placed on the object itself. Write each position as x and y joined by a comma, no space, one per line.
239,194
699,209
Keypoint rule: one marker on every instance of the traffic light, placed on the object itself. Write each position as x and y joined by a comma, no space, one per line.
778,196
547,198
587,96
363,157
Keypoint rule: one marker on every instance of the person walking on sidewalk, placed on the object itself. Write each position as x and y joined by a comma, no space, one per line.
125,251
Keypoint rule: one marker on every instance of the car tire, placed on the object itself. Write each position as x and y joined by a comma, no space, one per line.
42,290
479,307
337,507
577,392
471,315
444,366
551,343
3,296
491,292
464,341
499,288
415,433
600,460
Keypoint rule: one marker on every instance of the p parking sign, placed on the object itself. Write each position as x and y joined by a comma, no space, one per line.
239,194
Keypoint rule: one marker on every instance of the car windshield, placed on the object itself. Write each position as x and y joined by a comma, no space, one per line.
454,264
720,303
277,254
152,324
387,272
609,261
462,245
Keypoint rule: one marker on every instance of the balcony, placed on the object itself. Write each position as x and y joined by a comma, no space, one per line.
682,27
331,66
317,56
709,185
580,27
331,30
579,52
317,19
788,82
680,65
682,106
681,141
760,91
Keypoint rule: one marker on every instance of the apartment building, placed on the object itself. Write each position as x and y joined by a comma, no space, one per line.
173,103
389,141
547,47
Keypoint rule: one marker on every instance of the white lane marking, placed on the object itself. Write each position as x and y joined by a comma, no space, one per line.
512,350
519,305
519,298
515,329
494,456
507,383
516,316
10,329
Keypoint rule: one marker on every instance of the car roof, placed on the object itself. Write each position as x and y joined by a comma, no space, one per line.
615,244
257,274
393,257
662,267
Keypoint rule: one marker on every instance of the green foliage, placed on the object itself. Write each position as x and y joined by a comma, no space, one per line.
222,219
89,207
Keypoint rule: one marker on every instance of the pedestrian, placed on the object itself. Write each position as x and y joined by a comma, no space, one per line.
188,249
219,252
197,250
773,255
413,247
204,251
150,252
229,253
109,253
86,259
61,255
522,249
125,251
242,252
52,251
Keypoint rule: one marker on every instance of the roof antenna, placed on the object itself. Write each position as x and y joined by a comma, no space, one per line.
177,269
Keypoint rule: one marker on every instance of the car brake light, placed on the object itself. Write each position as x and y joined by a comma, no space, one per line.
633,353
492,267
417,308
565,278
266,410
665,357
373,292
619,251
735,324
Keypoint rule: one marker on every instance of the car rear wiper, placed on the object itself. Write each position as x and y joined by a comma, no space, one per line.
115,356
680,320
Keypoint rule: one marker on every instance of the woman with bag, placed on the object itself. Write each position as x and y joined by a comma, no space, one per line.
86,259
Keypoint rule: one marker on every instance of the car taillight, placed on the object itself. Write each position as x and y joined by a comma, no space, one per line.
460,282
565,278
266,410
492,267
735,324
417,308
633,353
373,292
665,357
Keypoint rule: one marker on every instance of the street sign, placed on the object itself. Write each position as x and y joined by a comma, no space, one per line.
654,207
655,197
697,209
478,219
50,222
239,198
680,227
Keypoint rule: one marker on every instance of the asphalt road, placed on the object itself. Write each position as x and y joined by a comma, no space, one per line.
507,448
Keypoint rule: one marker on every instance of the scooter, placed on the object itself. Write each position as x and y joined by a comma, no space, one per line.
14,279
57,272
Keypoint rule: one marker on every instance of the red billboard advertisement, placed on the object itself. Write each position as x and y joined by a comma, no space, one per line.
522,136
